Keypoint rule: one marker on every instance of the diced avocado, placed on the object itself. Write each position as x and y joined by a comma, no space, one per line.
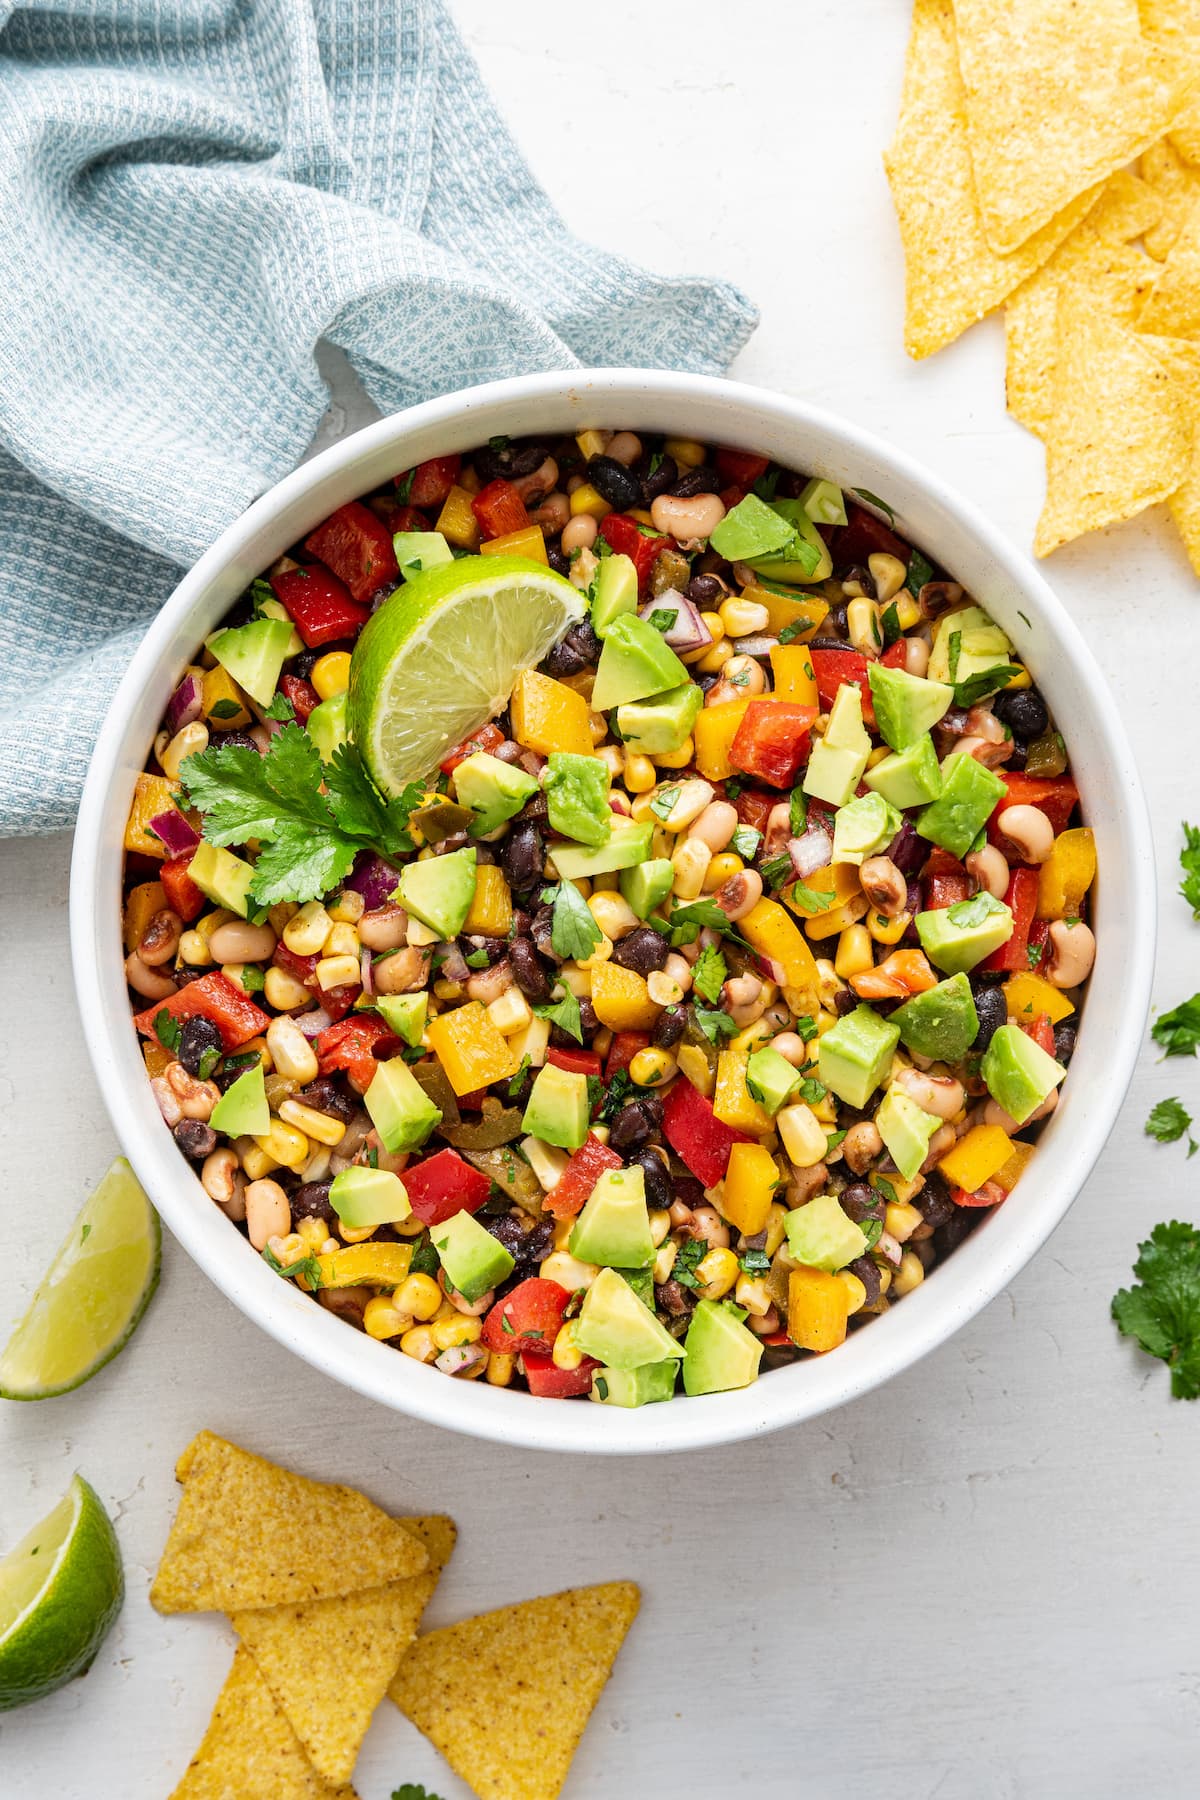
576,790
955,938
557,1110
770,1078
495,790
635,1387
805,557
628,846
647,885
472,1259
941,1023
417,551
838,759
821,1236
400,1109
275,609
824,503
642,1283
242,1110
616,592
614,1227
965,643
751,528
906,706
406,1014
222,877
617,1327
328,726
719,1353
1018,1072
906,1129
863,828
660,726
856,1053
909,777
439,891
634,664
254,654
361,1196
966,802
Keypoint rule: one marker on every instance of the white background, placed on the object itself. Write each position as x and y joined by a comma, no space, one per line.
980,1581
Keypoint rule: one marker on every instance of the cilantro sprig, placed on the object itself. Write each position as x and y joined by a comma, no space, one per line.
1189,862
1178,1032
574,933
1168,1122
564,1013
1163,1310
709,974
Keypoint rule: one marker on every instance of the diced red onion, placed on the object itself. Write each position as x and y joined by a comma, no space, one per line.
907,850
458,1358
373,878
313,1022
811,852
174,832
183,708
688,630
755,646
454,965
774,971
364,964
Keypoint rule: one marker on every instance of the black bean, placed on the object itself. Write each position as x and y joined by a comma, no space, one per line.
198,1038
589,1025
867,1270
960,1225
674,1298
535,811
669,1027
992,1009
564,658
526,1246
1064,1043
495,949
614,482
558,559
860,1202
705,591
195,1139
311,1201
636,1123
933,1202
325,1096
509,463
528,972
659,1193
907,850
644,950
1024,712
231,740
304,664
523,854
700,480
863,578
540,930
665,475
826,643
845,1002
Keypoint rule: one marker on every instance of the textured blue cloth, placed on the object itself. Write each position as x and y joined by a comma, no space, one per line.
192,192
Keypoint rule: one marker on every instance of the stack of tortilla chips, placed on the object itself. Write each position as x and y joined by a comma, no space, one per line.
326,1592
1048,158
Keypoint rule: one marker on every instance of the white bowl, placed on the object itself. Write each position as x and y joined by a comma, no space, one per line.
931,515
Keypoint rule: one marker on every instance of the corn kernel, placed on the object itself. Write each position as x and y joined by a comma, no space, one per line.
664,1260
194,950
716,1274
888,931
714,660
743,618
752,1296
663,989
600,953
802,1135
449,990
901,1221
331,673
305,934
686,451
287,1145
338,971
346,907
499,1371
1023,680
592,443
510,1012
854,953
418,1343
312,1234
677,759
568,1271
548,1163
660,1225
652,1068
254,1160
863,627
319,1126
753,1037
640,777
342,940
291,1052
586,499
909,1275
450,1334
690,862
381,1320
855,1289
566,1353
419,1295
908,611
283,991
725,864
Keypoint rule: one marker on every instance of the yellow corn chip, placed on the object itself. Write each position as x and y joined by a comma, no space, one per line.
1172,306
1118,439
1175,26
1058,96
328,1664
1177,186
1183,360
248,1533
505,1697
249,1751
952,275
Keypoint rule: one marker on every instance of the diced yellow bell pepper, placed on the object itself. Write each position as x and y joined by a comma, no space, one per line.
457,522
749,1188
491,908
152,794
694,1066
1008,1176
733,1102
622,999
976,1157
156,1057
587,499
834,922
768,927
803,610
713,733
791,666
818,1307
470,1049
838,879
383,1265
141,904
1067,874
1028,995
221,702
528,542
547,716
591,443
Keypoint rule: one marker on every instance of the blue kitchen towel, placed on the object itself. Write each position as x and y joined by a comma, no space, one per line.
192,192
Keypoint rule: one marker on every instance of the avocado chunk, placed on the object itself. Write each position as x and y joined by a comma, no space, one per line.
804,557
941,1023
719,1353
242,1110
751,528
908,777
771,1078
965,643
254,654
400,1109
362,1197
955,938
821,1236
824,502
648,884
615,593
557,1110
576,790
495,790
642,1283
906,1129
472,1259
660,726
1018,1072
628,846
417,551
406,1014
837,761
617,1327
855,1054
906,706
222,877
635,1387
614,1227
439,891
966,802
863,828
634,664
328,726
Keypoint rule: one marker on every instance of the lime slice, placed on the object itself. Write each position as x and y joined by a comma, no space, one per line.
440,658
92,1295
60,1591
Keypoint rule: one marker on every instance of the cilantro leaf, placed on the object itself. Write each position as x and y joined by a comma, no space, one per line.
167,1029
690,1255
1178,1031
815,901
1163,1311
574,933
778,870
1168,1121
714,1025
883,1186
920,570
619,1090
664,800
745,842
412,1790
874,500
797,811
1189,862
565,1013
280,708
688,921
890,620
234,789
517,1082
361,811
987,681
709,974
300,865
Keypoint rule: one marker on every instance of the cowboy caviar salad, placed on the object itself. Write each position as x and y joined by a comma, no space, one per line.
607,916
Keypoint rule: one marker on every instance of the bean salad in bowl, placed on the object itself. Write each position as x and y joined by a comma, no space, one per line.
607,915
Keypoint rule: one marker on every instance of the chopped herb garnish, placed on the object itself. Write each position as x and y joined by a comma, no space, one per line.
1034,954
890,621
1025,617
619,1090
806,1026
574,933
1189,862
709,974
754,1262
664,800
797,811
688,921
811,1090
518,1080
766,484
778,870
833,1140
412,1790
872,1230
662,618
280,708
1178,1032
874,500
815,902
745,842
167,1030
714,1024
987,681
478,959
565,1014
404,487
308,1266
209,1058
883,1186
224,709
1168,1121
920,570
691,1254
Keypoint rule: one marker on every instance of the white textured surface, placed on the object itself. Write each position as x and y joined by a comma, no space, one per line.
978,1582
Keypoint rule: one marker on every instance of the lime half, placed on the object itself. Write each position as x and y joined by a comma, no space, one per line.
60,1591
92,1295
441,657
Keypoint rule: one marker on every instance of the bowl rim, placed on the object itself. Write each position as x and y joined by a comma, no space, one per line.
931,1315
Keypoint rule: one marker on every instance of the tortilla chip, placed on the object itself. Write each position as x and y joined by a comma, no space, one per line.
248,1533
1172,306
1183,360
249,1751
952,276
1178,188
1175,25
328,1664
1058,96
505,1697
1118,439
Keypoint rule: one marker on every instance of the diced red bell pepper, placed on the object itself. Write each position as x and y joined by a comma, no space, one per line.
623,1049
753,808
407,518
318,605
500,509
896,655
338,1001
1040,1030
579,1062
775,1340
550,1383
990,1194
215,998
302,694
625,537
740,466
697,1136
355,1045
731,497
944,881
1039,937
182,894
527,1320
842,668
573,1189
472,1102
301,968
357,546
488,737
431,481
862,536
1055,795
1022,899
772,741
443,1185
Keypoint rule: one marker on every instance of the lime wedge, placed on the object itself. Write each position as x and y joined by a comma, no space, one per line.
91,1297
441,656
60,1591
